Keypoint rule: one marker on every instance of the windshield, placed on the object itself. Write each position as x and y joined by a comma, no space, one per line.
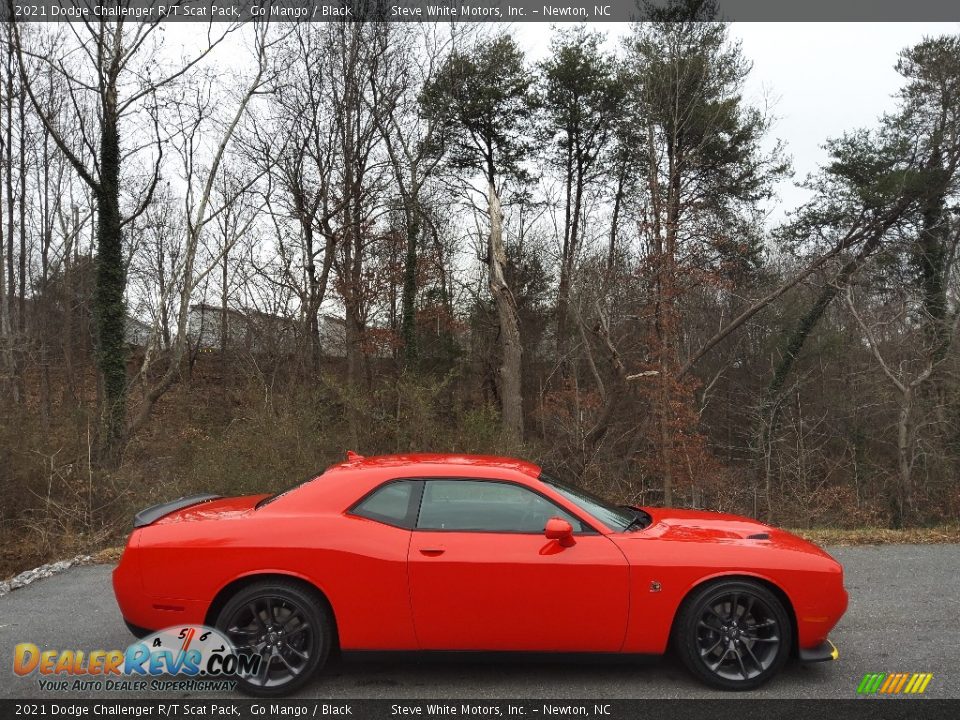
620,518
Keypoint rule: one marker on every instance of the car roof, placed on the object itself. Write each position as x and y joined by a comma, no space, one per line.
453,461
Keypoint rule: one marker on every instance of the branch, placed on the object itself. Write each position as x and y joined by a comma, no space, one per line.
154,180
581,326
194,229
760,304
602,330
81,169
873,346
153,87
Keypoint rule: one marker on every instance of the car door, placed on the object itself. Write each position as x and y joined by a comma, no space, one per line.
372,594
483,576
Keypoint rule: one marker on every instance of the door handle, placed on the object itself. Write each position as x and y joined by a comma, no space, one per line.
432,552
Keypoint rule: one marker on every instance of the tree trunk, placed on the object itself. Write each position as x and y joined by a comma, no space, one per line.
306,218
163,291
666,323
931,256
511,393
563,286
43,310
313,307
904,499
70,261
224,317
353,334
408,320
571,245
11,287
22,308
109,304
6,369
615,218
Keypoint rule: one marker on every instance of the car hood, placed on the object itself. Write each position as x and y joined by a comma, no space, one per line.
717,527
705,524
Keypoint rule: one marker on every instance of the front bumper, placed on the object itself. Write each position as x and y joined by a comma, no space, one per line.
821,653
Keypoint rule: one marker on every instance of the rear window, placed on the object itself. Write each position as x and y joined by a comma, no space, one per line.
277,496
393,504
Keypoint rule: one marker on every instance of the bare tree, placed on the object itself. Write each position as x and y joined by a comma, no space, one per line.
112,65
300,109
357,57
411,62
907,384
483,98
199,212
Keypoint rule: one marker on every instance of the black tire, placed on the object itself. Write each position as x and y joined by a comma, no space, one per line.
289,627
136,630
733,634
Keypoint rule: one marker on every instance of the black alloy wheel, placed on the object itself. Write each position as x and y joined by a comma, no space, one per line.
734,635
286,627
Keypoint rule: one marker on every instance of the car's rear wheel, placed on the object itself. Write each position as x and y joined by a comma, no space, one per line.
733,634
286,626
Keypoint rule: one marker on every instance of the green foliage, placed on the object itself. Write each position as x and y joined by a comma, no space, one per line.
903,164
579,97
932,73
931,115
678,11
867,176
686,80
483,99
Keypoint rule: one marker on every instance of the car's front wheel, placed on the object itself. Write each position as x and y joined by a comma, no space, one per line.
733,634
286,627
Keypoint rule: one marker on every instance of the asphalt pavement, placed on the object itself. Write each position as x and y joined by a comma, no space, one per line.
904,616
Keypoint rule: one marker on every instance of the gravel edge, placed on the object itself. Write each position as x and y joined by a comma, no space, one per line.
44,571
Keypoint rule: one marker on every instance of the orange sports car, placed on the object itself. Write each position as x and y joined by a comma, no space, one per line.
452,552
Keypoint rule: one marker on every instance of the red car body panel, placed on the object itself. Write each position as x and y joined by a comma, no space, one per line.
518,592
682,549
392,588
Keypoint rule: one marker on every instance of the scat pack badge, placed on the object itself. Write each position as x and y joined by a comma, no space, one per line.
189,651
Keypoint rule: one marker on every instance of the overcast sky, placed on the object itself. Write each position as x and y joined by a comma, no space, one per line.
823,79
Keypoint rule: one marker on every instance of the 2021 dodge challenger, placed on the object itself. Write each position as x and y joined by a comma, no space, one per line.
449,552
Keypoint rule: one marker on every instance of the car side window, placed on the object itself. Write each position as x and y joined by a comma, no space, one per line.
486,506
393,504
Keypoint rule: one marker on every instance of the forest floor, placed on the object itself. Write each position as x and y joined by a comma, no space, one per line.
881,536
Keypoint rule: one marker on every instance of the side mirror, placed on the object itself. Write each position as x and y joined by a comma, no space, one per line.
560,530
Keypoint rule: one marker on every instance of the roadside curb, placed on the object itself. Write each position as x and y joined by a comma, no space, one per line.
44,571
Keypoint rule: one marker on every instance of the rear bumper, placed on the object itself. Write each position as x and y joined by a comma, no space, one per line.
145,613
821,653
